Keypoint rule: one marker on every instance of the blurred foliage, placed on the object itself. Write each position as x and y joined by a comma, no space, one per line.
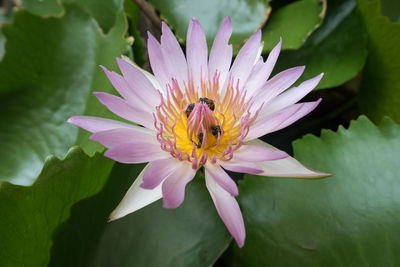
48,81
337,48
246,16
105,12
380,90
50,52
391,9
294,23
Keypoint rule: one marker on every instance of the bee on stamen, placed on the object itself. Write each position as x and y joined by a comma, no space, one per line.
209,103
215,130
200,140
189,109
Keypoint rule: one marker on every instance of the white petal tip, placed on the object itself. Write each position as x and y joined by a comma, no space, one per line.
115,215
316,175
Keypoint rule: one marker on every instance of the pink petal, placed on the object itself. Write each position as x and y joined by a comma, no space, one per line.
221,52
240,166
139,84
173,188
136,198
157,63
245,59
152,79
136,152
173,55
261,74
258,153
196,52
291,97
120,85
222,178
119,106
119,136
281,119
157,171
96,124
228,209
305,109
276,85
286,167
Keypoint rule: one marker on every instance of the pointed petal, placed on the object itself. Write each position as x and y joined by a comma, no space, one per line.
287,167
119,107
280,119
136,152
196,52
119,136
221,52
136,198
228,209
173,55
222,178
96,124
120,85
138,82
305,109
276,85
157,171
173,188
245,59
258,153
148,75
261,74
157,63
291,97
240,166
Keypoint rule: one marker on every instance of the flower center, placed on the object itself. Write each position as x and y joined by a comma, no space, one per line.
204,124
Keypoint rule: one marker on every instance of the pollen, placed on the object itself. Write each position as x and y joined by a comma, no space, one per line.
203,124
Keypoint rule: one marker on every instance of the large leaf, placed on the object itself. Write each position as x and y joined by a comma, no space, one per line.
246,16
191,235
337,48
46,82
104,12
349,219
29,215
294,23
380,90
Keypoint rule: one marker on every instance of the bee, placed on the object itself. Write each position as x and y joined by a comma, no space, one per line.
215,130
189,109
200,140
209,103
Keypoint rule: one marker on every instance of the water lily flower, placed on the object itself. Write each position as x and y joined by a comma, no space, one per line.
200,110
